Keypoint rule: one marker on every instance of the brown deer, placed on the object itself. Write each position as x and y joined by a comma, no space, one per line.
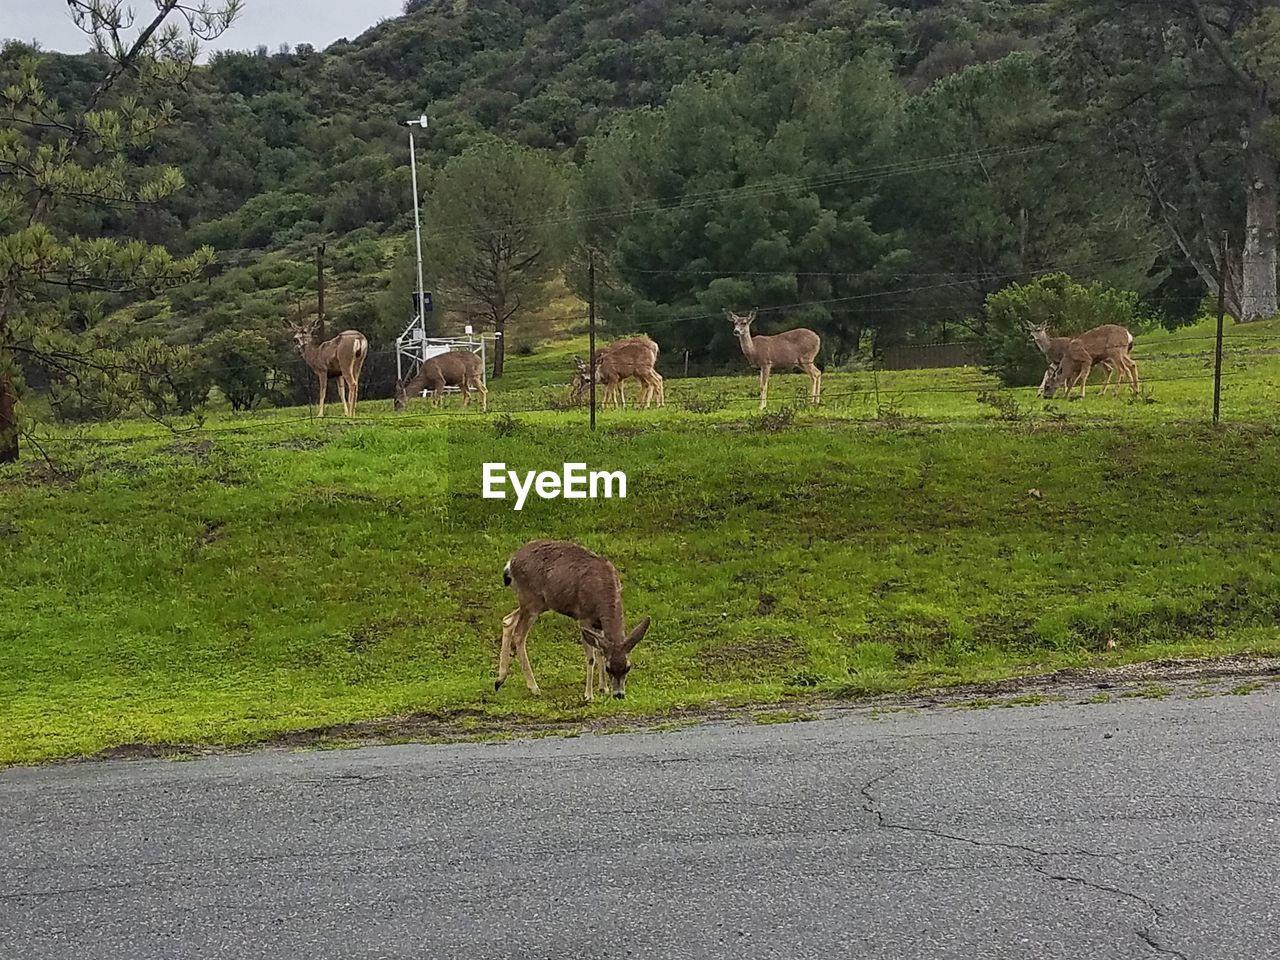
615,363
569,579
792,348
1072,368
1109,347
457,368
342,357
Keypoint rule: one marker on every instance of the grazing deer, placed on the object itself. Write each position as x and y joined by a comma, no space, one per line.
1073,367
457,368
1109,347
615,363
791,348
569,579
342,357
1112,346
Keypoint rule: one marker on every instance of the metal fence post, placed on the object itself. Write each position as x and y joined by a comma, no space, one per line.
1217,350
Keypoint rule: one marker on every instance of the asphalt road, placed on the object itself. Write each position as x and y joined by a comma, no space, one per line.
1138,828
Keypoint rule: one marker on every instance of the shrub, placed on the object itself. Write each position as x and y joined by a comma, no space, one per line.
1065,306
240,365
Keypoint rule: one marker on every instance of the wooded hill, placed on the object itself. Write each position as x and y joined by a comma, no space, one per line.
875,168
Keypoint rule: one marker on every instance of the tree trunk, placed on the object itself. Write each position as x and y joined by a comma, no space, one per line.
8,423
499,347
1258,282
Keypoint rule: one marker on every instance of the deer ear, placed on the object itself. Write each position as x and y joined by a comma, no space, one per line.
752,314
636,635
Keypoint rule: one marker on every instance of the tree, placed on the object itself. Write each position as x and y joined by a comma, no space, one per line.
240,363
52,163
751,189
1004,186
1186,91
497,231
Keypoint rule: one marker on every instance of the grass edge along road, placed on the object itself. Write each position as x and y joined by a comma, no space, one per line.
241,587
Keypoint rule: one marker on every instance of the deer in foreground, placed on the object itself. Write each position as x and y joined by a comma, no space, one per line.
1108,345
615,363
569,579
792,348
457,368
342,357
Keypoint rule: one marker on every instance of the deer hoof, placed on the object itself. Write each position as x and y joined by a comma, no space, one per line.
497,685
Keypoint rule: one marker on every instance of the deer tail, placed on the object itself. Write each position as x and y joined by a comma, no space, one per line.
506,574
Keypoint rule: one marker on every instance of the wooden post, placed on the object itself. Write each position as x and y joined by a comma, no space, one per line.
320,287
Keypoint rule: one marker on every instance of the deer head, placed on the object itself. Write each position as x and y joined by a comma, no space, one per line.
741,324
617,659
400,399
302,331
581,378
1039,332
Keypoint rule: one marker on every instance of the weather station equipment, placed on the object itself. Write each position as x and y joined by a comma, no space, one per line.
414,347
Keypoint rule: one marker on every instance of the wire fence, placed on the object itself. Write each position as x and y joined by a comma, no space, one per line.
871,394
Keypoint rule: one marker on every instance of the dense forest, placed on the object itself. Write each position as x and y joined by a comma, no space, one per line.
873,169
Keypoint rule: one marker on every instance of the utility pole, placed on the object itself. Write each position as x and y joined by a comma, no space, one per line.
591,323
320,285
1222,309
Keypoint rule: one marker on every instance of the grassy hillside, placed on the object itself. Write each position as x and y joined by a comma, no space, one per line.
274,573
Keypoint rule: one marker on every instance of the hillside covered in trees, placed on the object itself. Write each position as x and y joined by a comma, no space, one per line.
873,169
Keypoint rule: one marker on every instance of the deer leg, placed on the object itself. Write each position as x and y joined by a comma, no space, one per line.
324,388
662,390
1133,373
504,657
1044,381
353,391
466,394
342,395
815,381
484,396
437,396
764,387
1084,380
522,652
515,630
590,651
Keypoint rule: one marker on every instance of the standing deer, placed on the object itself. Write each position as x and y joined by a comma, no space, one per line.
615,363
569,579
1109,346
791,348
457,368
342,357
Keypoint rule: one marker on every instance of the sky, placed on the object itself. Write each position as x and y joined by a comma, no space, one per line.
270,22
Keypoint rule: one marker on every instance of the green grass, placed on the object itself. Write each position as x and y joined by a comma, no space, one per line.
270,573
1176,368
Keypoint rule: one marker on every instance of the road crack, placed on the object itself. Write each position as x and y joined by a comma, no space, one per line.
1147,933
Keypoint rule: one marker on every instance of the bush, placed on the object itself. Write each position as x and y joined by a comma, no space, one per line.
240,365
1063,305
